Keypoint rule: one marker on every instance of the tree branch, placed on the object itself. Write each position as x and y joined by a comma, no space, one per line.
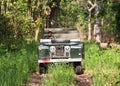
92,7
89,2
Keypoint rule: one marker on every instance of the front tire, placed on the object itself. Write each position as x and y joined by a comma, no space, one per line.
78,68
42,68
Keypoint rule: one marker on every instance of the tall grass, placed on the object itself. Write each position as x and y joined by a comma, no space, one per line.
15,67
60,75
103,65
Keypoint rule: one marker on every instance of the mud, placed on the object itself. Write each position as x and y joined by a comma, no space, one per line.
35,80
83,80
80,80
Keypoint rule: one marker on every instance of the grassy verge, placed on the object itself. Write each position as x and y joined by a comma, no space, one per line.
16,66
103,65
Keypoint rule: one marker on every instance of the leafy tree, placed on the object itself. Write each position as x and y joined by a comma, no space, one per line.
108,16
21,19
72,12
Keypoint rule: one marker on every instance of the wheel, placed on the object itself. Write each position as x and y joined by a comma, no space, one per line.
78,68
42,68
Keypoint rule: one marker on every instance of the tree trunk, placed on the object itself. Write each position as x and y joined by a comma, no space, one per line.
38,21
36,33
97,32
52,19
91,6
89,27
2,8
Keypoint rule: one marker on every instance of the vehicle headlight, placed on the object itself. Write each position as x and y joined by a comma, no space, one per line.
39,49
67,48
52,49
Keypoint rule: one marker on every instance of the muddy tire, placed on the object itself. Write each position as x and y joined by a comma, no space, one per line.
79,70
42,68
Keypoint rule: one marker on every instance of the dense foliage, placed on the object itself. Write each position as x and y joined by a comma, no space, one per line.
16,67
19,19
108,16
72,13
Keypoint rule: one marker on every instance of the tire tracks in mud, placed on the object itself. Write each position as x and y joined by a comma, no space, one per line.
80,80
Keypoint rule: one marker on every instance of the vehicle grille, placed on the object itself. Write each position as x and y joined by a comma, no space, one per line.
59,50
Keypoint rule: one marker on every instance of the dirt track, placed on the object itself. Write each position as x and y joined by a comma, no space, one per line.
80,80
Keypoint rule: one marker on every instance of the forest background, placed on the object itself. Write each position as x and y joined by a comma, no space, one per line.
22,24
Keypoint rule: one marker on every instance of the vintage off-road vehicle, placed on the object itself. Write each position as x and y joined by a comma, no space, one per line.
65,47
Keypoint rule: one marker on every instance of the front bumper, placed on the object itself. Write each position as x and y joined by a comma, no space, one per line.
59,60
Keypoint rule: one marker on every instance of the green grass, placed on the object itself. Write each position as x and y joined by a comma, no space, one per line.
61,75
103,65
16,66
